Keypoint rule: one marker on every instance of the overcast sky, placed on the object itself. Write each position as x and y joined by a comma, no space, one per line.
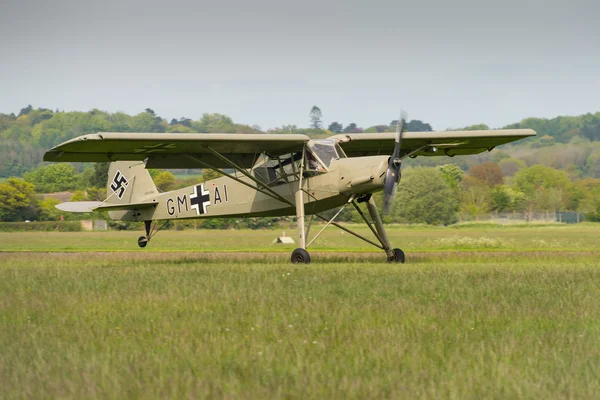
267,62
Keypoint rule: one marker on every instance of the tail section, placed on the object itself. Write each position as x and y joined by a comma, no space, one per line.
129,182
129,187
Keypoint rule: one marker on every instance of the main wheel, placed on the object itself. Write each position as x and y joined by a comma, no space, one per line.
300,256
142,241
397,257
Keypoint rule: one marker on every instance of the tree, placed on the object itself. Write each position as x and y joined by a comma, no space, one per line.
352,128
414,125
511,166
25,110
545,188
53,178
476,127
147,121
164,181
214,123
592,165
488,172
16,200
209,174
452,174
335,127
376,128
99,178
536,177
505,198
589,201
423,196
474,197
315,117
178,128
48,210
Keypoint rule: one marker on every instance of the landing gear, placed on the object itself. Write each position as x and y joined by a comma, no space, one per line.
151,230
300,256
143,240
396,257
375,224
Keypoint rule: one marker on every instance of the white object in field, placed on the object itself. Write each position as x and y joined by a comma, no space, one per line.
79,206
283,240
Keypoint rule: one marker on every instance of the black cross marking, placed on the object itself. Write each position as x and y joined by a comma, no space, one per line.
200,199
119,184
155,148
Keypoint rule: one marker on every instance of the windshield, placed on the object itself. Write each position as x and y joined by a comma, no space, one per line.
325,150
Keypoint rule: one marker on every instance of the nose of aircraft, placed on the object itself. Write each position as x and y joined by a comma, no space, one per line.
362,174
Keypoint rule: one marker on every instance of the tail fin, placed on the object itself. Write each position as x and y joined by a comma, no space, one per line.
129,182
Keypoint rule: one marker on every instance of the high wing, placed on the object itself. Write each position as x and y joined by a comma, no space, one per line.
449,143
175,150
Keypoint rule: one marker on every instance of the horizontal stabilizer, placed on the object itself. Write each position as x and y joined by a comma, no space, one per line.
126,206
89,206
79,206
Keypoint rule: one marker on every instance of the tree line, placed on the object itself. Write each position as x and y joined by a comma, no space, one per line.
441,195
558,170
27,135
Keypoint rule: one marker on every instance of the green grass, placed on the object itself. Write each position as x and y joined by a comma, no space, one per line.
582,237
518,321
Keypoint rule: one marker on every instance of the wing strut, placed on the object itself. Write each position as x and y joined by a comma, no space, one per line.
267,192
243,171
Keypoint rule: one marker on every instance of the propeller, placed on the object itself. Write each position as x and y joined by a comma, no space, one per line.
392,175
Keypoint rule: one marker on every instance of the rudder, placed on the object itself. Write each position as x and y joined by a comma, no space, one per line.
129,182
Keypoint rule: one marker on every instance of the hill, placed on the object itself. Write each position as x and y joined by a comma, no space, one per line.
570,143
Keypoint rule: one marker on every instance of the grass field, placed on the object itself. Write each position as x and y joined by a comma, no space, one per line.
476,312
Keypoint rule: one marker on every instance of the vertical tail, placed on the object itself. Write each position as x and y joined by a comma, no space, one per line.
129,182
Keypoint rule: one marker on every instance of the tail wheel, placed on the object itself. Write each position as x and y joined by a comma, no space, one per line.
300,256
397,257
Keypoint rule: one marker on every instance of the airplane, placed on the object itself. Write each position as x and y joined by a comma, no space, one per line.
265,175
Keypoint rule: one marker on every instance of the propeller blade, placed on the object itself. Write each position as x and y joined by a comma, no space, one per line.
392,175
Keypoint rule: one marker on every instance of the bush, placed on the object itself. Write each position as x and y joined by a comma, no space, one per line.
41,226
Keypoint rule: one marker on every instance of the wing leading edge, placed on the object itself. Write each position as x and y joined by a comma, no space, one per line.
170,150
450,143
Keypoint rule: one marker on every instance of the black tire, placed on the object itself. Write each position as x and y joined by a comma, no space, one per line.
398,257
300,256
142,241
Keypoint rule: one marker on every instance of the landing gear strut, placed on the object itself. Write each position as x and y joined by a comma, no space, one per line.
376,226
143,240
151,230
300,255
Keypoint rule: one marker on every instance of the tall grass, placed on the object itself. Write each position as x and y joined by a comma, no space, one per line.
205,325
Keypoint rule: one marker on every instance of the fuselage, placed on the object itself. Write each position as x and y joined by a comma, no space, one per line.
326,185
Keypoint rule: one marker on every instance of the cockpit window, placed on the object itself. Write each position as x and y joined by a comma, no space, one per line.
313,164
326,151
279,170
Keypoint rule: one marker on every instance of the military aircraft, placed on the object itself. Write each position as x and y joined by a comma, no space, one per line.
264,175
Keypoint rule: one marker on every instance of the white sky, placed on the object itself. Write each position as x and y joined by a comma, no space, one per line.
267,62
